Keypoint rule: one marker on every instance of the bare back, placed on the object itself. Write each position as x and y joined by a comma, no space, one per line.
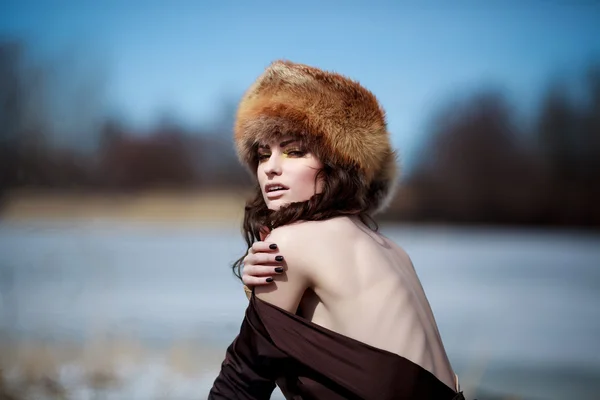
365,287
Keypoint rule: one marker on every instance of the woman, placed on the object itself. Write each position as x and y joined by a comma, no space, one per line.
337,310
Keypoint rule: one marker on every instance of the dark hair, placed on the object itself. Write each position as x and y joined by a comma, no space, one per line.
343,193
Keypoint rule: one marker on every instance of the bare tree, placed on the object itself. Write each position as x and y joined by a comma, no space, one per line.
474,169
569,139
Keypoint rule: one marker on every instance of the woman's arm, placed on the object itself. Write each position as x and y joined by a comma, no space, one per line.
246,373
287,289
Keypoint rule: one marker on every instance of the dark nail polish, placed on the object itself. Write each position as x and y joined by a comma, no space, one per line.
279,269
269,279
273,246
279,258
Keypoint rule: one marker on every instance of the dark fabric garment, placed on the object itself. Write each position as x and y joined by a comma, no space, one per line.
308,361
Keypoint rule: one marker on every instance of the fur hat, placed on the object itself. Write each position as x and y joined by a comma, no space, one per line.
340,116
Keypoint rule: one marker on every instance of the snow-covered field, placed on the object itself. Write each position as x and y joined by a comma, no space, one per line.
112,311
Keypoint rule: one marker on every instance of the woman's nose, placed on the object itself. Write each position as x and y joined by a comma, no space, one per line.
273,165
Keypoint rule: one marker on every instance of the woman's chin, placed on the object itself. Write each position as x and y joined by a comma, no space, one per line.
275,205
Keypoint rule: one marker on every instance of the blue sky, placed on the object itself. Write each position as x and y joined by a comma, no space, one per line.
188,57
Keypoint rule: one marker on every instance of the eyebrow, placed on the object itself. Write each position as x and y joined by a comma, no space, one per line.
282,144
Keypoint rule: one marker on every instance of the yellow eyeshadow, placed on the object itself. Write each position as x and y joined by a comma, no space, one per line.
293,150
284,154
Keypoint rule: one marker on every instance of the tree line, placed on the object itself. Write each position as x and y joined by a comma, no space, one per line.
479,164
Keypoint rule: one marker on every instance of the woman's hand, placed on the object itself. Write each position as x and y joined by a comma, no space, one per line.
262,262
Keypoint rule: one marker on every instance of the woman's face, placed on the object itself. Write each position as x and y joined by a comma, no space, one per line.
286,172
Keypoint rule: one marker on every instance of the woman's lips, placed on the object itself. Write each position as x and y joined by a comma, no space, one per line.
276,194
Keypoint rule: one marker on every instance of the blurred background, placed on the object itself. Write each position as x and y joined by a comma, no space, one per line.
121,197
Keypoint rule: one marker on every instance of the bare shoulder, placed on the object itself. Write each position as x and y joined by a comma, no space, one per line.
309,227
398,250
305,235
296,244
292,233
299,240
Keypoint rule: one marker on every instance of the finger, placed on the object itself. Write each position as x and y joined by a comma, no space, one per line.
260,247
254,281
260,271
263,247
264,259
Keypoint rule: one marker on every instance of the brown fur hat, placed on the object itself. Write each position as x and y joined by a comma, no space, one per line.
337,115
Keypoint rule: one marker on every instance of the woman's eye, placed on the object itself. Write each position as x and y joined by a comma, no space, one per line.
263,157
295,153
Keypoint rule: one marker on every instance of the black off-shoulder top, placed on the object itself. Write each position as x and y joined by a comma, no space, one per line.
308,361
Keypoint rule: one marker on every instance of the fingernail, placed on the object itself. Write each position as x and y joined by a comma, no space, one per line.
269,279
279,258
279,269
273,246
